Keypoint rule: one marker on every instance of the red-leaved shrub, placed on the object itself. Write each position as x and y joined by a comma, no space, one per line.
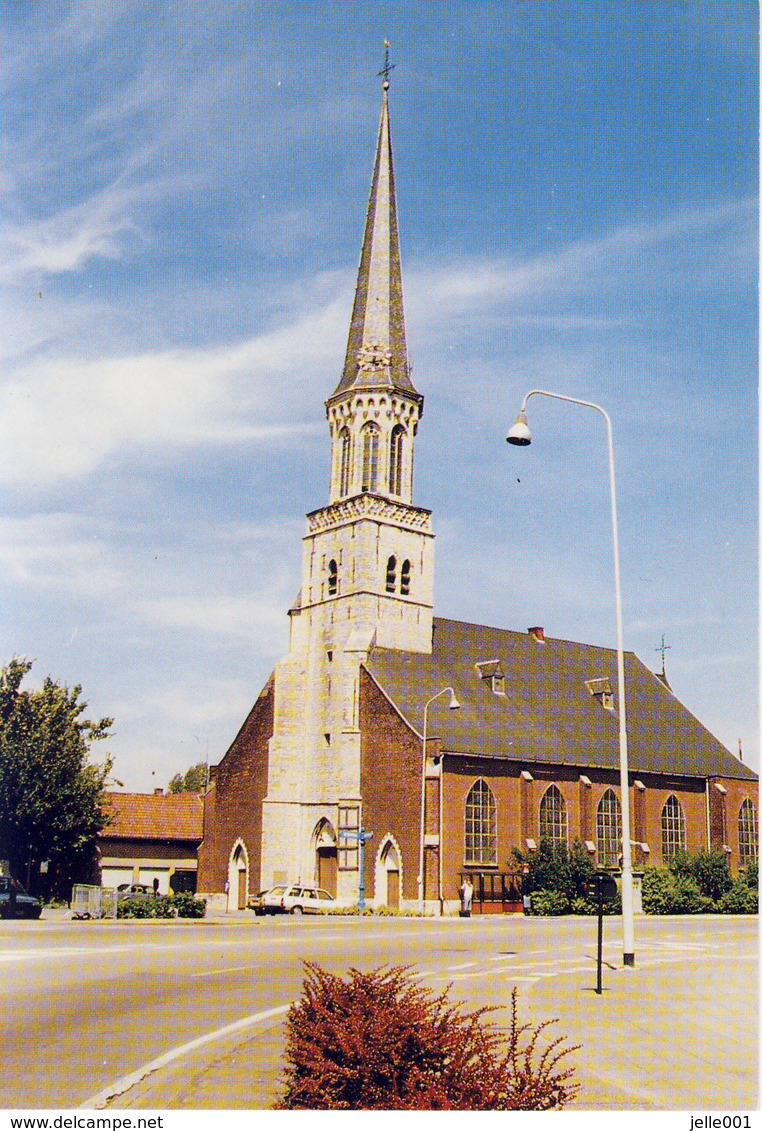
380,1040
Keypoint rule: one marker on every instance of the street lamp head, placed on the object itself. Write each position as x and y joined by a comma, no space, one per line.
454,705
519,433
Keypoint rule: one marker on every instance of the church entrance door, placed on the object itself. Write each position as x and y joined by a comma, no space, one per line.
327,868
393,890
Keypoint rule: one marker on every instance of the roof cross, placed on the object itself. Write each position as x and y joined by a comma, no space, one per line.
662,648
387,67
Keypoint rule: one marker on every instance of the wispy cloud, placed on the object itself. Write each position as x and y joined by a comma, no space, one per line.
62,419
58,553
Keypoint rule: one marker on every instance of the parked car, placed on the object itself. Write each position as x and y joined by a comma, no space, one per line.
15,903
134,891
256,902
295,899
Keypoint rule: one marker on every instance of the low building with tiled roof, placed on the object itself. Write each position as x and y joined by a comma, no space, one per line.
151,836
335,741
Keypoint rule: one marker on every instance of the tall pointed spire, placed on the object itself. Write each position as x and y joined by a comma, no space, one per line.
376,349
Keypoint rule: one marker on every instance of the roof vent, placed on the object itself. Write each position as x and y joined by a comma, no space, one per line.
600,689
537,632
158,792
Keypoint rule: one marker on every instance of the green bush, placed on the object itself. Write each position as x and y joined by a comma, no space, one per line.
187,906
580,905
740,899
709,870
182,905
554,867
751,875
549,903
666,893
380,1040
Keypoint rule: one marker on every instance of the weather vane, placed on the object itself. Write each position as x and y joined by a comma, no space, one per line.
662,648
387,67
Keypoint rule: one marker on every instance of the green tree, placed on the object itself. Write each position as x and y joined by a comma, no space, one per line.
192,781
50,794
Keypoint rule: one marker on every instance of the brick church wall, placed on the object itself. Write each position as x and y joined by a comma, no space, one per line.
391,783
233,805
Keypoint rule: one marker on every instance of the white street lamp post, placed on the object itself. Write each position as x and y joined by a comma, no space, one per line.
521,436
453,705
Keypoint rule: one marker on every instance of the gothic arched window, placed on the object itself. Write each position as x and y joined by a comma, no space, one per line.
748,841
481,824
395,460
369,458
405,578
346,456
672,829
391,574
553,819
333,578
609,829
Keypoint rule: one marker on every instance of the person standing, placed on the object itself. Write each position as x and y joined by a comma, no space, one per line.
466,898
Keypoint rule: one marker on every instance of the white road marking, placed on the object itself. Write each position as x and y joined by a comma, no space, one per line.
221,970
424,974
100,1099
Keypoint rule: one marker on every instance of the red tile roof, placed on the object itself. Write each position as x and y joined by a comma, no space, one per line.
153,816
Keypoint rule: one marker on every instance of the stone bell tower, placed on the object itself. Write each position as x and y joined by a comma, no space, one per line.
367,570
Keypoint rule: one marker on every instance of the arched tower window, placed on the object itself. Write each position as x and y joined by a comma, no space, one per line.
405,578
672,828
481,824
370,458
346,461
395,460
553,820
333,578
609,829
748,842
391,574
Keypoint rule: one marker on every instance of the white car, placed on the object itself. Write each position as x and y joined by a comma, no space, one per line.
297,899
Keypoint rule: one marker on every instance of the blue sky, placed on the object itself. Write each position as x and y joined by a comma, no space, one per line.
183,199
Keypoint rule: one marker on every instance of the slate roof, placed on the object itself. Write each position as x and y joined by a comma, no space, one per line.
378,320
152,816
548,714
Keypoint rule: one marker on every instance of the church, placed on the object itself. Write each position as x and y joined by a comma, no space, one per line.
452,743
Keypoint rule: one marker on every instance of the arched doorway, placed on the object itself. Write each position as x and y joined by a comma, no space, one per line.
238,877
326,863
388,874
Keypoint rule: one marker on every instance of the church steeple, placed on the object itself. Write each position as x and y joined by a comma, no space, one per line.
376,350
375,408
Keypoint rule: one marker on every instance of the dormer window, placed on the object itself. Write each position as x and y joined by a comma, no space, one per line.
600,689
492,670
405,578
370,434
333,578
395,460
391,574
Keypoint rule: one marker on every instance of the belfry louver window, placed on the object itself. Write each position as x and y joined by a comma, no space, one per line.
333,578
405,578
395,460
391,574
370,458
346,455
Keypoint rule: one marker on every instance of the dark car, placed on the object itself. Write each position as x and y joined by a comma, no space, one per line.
15,903
134,891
